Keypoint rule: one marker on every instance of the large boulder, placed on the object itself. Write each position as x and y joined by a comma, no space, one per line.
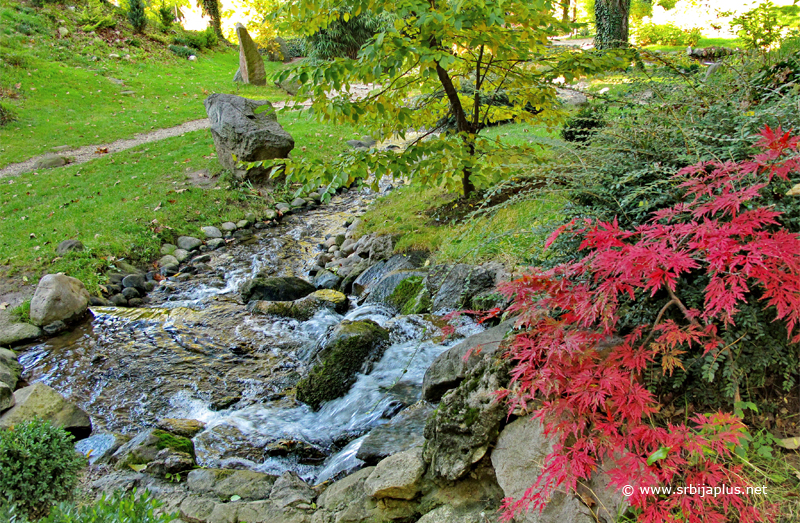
41,401
223,483
403,432
304,308
397,288
58,298
453,286
251,65
248,129
398,476
451,366
283,288
352,348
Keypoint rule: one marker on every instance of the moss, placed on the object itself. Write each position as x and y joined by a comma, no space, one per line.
419,303
405,291
351,345
471,416
171,441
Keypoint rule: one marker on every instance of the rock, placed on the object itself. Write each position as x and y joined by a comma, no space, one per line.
16,333
402,433
223,484
326,280
130,293
352,347
346,498
188,243
304,308
211,232
229,226
290,85
119,300
243,224
298,202
215,243
169,462
451,366
517,459
379,269
127,268
135,281
283,207
99,447
188,428
364,143
248,129
147,446
10,368
448,514
58,298
467,421
51,329
284,288
571,97
181,255
50,161
168,248
168,260
290,490
63,32
383,291
69,246
397,476
6,397
270,215
41,401
251,65
453,286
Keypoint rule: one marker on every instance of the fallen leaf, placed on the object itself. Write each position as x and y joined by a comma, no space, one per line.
157,207
790,443
101,150
4,305
137,468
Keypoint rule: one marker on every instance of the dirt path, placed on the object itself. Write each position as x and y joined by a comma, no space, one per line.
89,152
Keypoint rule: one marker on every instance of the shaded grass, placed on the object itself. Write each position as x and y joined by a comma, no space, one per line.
703,42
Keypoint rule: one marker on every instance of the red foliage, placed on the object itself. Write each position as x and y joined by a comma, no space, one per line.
585,378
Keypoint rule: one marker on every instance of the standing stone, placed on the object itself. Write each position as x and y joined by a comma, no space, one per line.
251,65
58,298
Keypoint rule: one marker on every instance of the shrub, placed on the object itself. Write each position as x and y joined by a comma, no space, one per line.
119,508
94,17
344,39
587,369
667,34
166,16
182,51
763,26
297,47
211,37
136,15
38,466
195,39
581,127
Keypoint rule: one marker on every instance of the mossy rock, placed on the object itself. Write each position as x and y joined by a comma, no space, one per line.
286,288
304,308
145,447
353,346
411,296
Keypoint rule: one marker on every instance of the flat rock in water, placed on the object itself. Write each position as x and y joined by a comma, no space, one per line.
402,433
188,428
41,401
224,483
284,288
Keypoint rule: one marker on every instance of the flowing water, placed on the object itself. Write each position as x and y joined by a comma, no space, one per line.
195,352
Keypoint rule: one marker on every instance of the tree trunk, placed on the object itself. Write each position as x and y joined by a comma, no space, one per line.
611,20
462,125
565,11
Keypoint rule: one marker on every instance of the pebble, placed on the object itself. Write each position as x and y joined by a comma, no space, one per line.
211,232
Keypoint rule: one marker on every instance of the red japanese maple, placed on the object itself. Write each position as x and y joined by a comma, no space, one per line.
585,378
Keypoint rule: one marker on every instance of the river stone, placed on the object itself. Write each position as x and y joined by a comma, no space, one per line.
69,246
168,248
251,65
248,129
467,421
146,446
16,333
346,498
290,490
181,255
188,243
43,402
377,271
228,226
403,432
304,308
127,268
211,232
134,281
270,214
225,483
169,462
58,298
50,161
283,288
215,243
517,458
9,361
99,447
448,514
243,224
326,280
453,286
6,397
383,291
188,428
298,202
352,348
397,476
451,366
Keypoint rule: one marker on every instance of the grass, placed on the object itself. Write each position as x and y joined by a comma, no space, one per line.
703,42
66,91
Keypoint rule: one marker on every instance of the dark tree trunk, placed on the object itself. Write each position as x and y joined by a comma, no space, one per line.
611,20
565,11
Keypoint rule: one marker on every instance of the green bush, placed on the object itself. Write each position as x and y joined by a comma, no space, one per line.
38,467
344,39
182,51
94,17
195,39
666,34
119,508
297,47
211,37
136,15
581,127
166,16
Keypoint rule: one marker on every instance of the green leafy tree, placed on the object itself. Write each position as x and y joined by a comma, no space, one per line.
446,69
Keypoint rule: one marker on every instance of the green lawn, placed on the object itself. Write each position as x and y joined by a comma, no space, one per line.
703,42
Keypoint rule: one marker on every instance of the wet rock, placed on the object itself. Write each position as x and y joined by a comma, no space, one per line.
383,291
188,243
397,476
58,297
453,286
170,462
285,288
403,432
100,447
223,445
168,261
168,248
51,329
353,347
251,65
119,300
40,401
211,232
134,281
326,280
379,270
10,369
97,301
215,243
224,402
243,128
290,490
305,453
181,255
298,202
6,397
130,293
243,224
146,447
304,308
69,246
467,421
188,428
16,333
224,483
135,302
451,366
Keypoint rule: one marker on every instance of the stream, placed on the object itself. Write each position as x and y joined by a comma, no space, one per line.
195,352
